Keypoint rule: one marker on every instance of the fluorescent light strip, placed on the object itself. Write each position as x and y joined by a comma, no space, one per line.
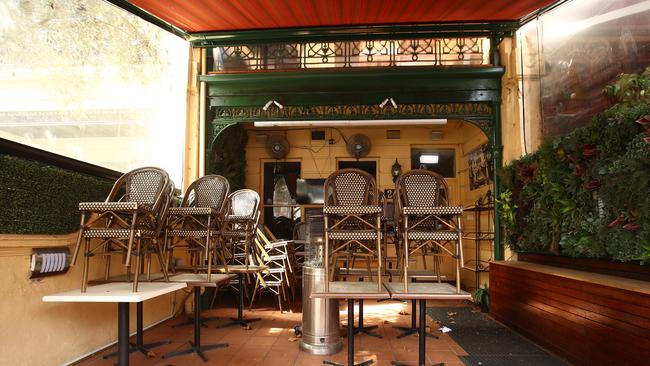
429,159
352,123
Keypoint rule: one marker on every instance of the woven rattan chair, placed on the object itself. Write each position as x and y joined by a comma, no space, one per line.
195,226
429,224
352,221
128,222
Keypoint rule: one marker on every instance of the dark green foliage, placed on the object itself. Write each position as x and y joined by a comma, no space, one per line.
229,156
586,194
41,199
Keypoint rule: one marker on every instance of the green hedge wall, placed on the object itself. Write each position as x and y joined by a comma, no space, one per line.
42,199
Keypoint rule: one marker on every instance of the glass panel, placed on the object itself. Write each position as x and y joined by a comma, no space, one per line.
582,47
90,81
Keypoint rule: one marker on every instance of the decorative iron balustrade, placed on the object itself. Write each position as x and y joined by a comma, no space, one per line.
344,54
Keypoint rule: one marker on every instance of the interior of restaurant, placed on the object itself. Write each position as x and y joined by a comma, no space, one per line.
532,252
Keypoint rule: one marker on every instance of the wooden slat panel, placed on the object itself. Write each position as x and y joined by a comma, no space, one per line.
588,323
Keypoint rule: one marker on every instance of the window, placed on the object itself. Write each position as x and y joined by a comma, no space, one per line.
441,161
87,80
369,167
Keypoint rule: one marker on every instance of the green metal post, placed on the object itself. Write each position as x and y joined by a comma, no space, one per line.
497,160
497,157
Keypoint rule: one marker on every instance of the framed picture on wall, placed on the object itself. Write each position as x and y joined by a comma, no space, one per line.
478,166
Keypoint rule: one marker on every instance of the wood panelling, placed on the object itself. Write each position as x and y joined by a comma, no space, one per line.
591,319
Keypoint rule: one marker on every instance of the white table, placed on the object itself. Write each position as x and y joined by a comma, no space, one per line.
122,294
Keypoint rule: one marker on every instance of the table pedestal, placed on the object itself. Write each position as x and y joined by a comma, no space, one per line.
413,329
361,328
240,308
351,333
196,346
422,342
139,344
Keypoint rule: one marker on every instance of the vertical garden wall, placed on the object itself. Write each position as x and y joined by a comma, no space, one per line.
587,193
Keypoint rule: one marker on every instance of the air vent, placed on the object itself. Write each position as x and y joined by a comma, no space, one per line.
392,134
318,135
436,135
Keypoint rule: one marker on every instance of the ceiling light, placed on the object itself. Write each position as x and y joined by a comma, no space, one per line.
352,123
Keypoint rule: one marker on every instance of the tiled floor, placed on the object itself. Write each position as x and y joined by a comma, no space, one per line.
271,341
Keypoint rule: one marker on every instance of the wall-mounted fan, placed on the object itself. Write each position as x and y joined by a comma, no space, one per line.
358,145
277,147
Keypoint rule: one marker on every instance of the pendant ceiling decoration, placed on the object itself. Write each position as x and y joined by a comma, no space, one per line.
235,15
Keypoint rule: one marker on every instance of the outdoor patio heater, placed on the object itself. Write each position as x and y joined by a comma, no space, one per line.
320,317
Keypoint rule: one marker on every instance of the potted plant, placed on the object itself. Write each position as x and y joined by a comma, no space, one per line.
481,297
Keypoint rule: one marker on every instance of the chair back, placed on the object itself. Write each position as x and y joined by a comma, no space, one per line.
244,203
146,186
421,188
208,191
350,187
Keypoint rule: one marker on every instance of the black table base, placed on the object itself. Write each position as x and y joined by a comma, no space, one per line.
139,345
361,328
351,332
422,342
196,346
240,308
413,329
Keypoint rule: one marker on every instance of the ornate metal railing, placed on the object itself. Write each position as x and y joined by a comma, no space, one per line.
346,54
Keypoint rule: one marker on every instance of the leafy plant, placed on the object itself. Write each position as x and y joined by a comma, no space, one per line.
481,297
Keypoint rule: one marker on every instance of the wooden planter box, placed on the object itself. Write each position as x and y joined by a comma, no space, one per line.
627,270
587,318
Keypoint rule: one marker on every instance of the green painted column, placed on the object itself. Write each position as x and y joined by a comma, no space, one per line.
497,160
497,154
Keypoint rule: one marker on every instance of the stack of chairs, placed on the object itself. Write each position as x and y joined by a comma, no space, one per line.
273,254
430,226
352,223
297,249
128,223
195,226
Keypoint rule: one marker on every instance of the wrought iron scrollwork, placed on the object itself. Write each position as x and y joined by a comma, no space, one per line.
355,53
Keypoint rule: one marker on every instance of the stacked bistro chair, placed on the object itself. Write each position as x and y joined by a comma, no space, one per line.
241,217
195,226
429,225
127,223
389,228
274,256
352,222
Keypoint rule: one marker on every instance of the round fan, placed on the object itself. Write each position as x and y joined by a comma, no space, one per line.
277,147
359,145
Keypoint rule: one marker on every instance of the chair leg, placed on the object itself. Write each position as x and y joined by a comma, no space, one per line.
84,279
138,255
78,245
279,301
107,258
250,305
163,269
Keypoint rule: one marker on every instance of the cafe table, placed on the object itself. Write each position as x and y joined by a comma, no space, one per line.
352,291
423,291
122,294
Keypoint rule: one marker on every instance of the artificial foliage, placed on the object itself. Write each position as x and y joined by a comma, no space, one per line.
228,157
587,194
42,199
